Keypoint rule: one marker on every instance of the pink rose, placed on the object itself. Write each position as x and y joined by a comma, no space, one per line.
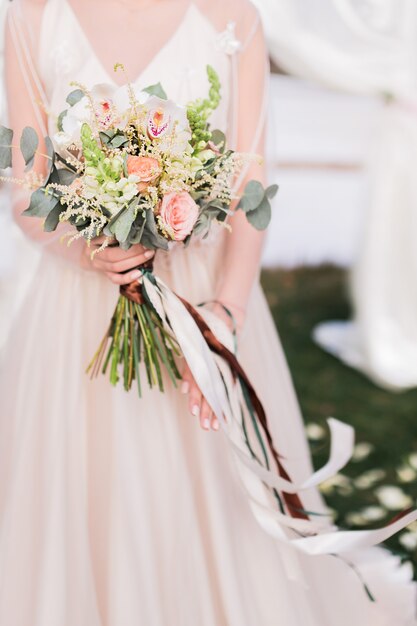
178,214
146,168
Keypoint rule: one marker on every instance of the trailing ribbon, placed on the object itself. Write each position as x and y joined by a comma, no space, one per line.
223,383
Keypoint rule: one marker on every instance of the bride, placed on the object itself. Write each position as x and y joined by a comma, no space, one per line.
116,511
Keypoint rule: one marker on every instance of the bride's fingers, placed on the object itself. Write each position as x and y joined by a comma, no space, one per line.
113,255
194,400
124,264
98,241
198,406
206,415
124,279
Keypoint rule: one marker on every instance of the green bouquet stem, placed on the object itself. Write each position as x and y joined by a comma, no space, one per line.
136,335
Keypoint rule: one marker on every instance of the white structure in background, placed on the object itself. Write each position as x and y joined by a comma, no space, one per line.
318,144
369,47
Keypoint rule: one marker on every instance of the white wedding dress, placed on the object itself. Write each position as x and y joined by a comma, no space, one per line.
119,511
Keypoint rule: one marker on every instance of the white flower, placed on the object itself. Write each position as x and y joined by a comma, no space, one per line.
393,498
111,105
373,513
369,479
355,519
362,451
167,123
72,122
62,140
315,432
406,474
408,540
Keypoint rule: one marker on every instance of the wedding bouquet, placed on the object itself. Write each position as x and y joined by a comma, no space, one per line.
134,167
137,168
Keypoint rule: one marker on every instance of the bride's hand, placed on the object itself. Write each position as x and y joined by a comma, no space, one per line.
197,404
120,266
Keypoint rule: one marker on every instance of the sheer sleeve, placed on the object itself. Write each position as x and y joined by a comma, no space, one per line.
244,244
27,106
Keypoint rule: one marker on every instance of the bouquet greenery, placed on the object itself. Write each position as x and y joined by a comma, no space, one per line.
137,168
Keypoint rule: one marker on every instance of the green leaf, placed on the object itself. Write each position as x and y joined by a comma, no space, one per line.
52,220
106,136
75,96
252,196
137,232
151,237
41,204
61,119
51,154
29,143
110,227
156,90
125,221
261,216
118,141
271,191
6,138
66,177
219,139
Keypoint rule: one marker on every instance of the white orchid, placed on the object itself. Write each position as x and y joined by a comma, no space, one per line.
167,123
105,105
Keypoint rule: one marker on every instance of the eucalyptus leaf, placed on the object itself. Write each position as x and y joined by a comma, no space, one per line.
136,233
66,177
156,90
261,216
51,154
219,139
271,191
110,227
6,138
106,136
41,204
61,120
151,238
62,176
29,143
253,196
52,220
75,96
118,141
125,221
216,204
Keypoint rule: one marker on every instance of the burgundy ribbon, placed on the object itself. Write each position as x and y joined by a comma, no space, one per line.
133,292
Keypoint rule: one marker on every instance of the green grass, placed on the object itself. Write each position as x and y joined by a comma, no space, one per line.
299,300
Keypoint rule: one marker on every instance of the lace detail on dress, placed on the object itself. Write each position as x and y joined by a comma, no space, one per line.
227,40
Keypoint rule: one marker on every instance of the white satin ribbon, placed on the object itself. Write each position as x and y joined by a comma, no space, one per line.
211,375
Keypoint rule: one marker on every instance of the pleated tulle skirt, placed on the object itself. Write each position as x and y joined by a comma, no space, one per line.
120,511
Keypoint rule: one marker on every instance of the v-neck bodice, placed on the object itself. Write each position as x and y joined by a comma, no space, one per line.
67,55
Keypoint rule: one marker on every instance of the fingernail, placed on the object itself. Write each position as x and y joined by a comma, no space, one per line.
149,254
195,410
215,424
185,387
206,423
136,275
